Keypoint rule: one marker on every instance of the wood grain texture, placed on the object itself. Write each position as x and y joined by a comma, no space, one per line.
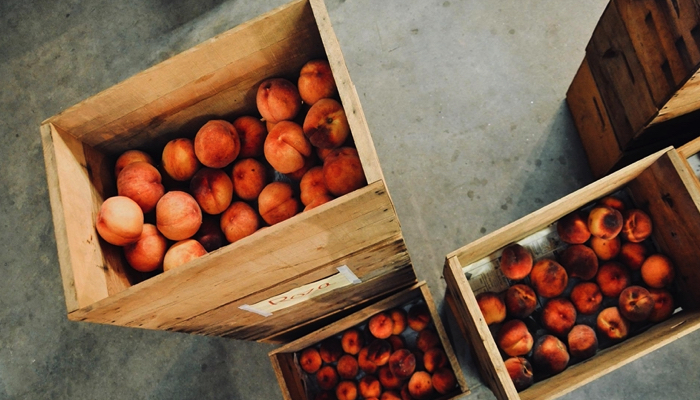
689,149
684,101
288,376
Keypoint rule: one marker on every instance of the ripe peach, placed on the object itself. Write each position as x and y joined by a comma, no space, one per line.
347,366
636,225
521,300
390,395
147,253
606,249
278,100
658,271
573,228
378,352
516,262
604,222
579,261
402,363
369,367
179,160
250,177
583,342
400,318
310,360
318,201
548,278
316,81
427,339
181,253
327,377
210,234
286,148
381,325
277,202
119,221
612,324
434,358
635,303
309,162
387,378
342,171
420,386
326,125
141,182
558,316
396,342
612,202
178,215
663,305
443,380
238,221
322,153
520,372
586,297
129,157
312,185
352,341
633,255
492,307
418,317
612,278
212,189
217,144
251,133
331,349
370,386
346,390
514,338
550,355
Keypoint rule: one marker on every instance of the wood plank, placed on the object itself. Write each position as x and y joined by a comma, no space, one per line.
288,376
592,122
690,149
684,101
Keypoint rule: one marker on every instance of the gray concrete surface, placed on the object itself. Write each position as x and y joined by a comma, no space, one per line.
465,101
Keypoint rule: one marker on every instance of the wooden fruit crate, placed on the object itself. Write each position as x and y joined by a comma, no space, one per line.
219,79
285,359
660,184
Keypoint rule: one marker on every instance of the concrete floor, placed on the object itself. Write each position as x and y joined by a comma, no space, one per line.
465,101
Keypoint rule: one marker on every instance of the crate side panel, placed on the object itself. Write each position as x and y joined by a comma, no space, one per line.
288,376
685,100
689,149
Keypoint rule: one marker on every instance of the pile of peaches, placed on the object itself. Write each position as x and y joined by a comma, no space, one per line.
394,355
233,178
606,284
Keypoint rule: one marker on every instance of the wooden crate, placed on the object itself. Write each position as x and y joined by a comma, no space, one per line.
219,79
291,377
663,186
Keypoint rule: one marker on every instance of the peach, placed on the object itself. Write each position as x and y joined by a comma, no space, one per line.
316,82
278,100
633,255
612,278
550,355
370,386
318,201
427,339
658,271
586,297
573,228
583,342
331,349
604,222
181,253
520,372
179,159
402,363
612,324
141,182
322,153
636,225
514,338
612,202
579,261
210,234
388,379
310,360
352,341
400,318
346,390
178,215
381,325
238,221
309,162
396,342
606,249
249,177
390,395
327,377
213,190
312,185
347,366
663,305
420,385
378,352
277,203
635,303
521,300
342,171
443,380
251,133
129,157
326,125
119,221
217,144
367,366
492,307
418,317
147,253
516,262
434,358
548,278
286,148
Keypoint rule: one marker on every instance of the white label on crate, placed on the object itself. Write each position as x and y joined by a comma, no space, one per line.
343,278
